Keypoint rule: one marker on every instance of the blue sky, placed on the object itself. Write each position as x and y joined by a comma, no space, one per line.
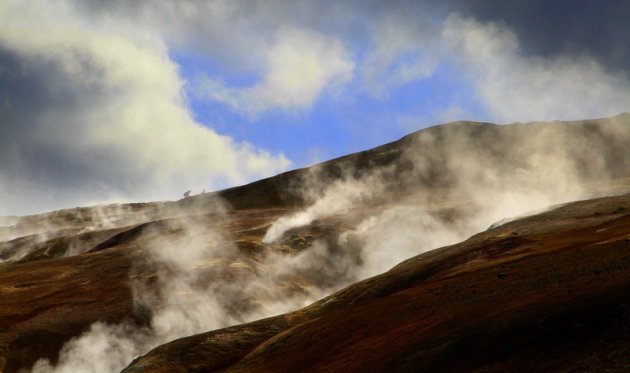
120,100
348,122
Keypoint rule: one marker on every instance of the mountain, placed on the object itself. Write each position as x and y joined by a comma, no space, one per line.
294,272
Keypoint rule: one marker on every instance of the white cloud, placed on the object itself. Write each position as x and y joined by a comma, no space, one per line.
107,119
300,65
402,50
514,87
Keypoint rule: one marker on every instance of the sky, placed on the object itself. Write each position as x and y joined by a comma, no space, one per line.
106,101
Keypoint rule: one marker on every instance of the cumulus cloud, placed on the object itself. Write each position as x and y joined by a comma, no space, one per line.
300,65
515,87
235,33
93,107
504,82
91,113
402,50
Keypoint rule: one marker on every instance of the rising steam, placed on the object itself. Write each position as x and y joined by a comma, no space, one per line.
462,178
447,183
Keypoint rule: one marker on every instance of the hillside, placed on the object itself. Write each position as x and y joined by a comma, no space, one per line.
129,279
544,293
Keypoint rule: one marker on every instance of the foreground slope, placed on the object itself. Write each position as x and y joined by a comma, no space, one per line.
545,293
66,270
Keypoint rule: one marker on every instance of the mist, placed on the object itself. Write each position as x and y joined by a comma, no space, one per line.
462,178
190,277
361,217
445,184
99,104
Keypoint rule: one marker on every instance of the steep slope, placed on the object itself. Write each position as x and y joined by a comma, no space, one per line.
66,270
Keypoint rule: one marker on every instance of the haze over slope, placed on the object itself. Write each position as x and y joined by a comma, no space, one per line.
123,279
